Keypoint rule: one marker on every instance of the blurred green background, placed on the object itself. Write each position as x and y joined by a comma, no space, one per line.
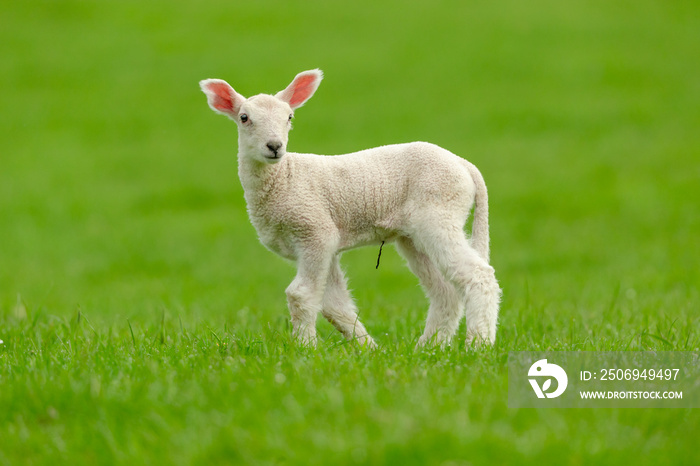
119,192
119,196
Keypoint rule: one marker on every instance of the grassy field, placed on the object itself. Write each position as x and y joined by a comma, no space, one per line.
142,322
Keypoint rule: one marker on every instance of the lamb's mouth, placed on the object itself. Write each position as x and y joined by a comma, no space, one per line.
272,158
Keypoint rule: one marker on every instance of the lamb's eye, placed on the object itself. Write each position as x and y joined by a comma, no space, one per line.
290,117
244,117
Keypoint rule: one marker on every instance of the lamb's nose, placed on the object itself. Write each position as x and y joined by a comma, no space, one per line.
274,146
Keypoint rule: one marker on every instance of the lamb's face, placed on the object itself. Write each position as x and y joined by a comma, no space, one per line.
264,122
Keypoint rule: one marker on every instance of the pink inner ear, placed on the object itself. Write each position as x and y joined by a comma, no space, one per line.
222,97
302,90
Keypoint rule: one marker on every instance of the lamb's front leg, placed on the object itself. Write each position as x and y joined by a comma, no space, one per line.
305,293
339,308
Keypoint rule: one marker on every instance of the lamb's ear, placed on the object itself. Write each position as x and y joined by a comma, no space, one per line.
302,88
221,97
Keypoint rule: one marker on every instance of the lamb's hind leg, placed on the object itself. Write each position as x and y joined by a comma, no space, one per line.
446,308
339,308
472,276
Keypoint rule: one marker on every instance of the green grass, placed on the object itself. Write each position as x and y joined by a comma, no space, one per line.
143,323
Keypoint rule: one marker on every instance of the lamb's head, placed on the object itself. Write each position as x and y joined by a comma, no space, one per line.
263,120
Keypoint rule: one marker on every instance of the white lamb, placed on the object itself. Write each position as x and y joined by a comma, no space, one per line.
310,208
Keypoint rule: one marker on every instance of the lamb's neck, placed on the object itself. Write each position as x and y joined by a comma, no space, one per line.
257,178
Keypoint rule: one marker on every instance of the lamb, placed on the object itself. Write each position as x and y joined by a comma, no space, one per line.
311,208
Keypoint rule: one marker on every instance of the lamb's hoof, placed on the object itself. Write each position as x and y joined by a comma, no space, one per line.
433,341
477,342
305,341
366,342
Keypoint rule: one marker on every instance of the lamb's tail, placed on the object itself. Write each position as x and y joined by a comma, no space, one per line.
480,224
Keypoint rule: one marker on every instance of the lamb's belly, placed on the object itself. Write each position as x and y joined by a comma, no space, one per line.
283,242
351,240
